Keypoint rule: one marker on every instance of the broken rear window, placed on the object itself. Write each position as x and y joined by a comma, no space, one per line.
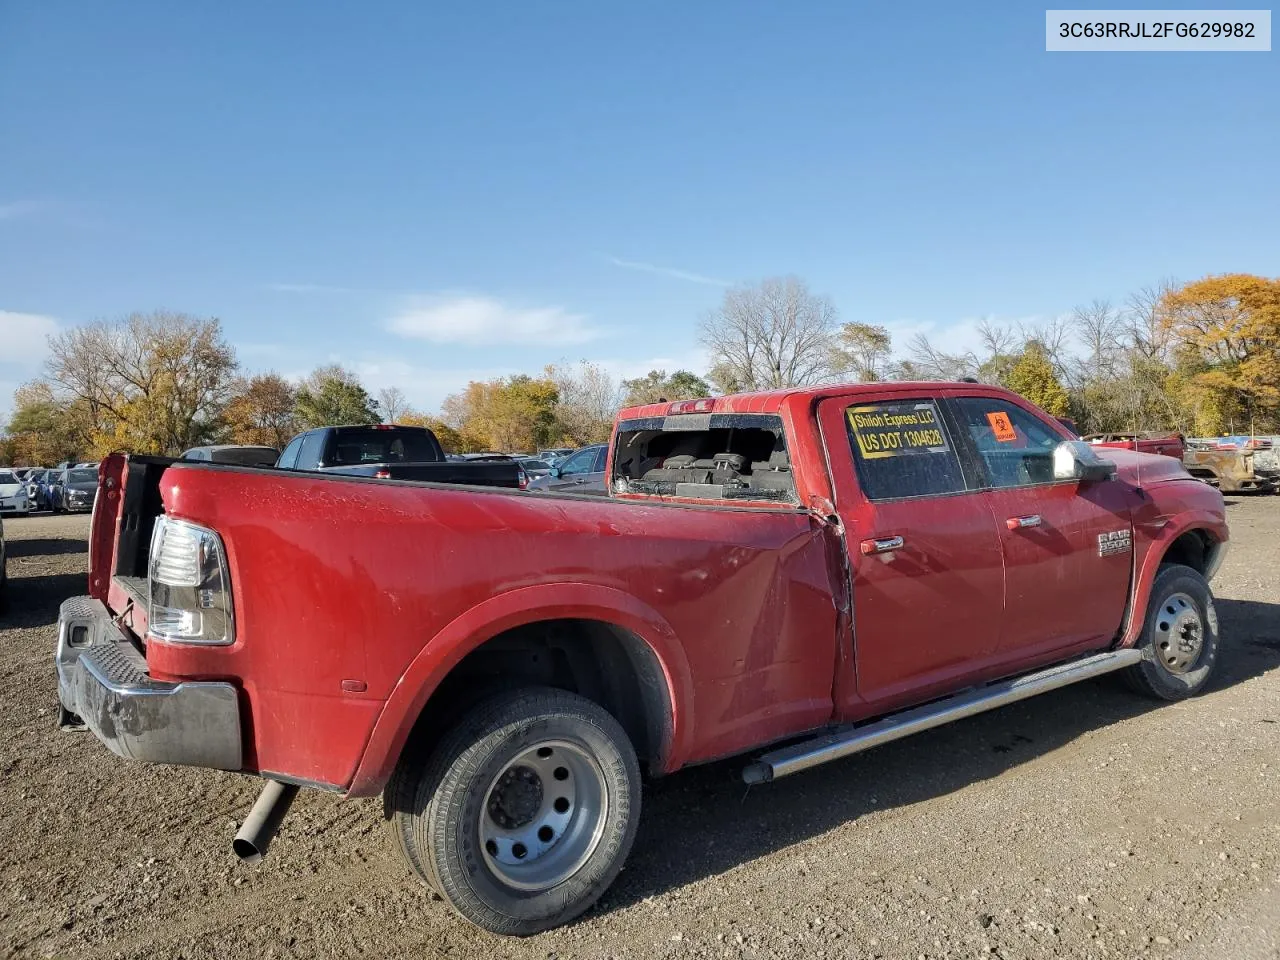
705,457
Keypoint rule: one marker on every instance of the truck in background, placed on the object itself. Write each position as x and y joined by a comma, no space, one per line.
1164,444
387,451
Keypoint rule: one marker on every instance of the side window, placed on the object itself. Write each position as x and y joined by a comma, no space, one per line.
580,462
1016,447
290,455
902,449
602,460
309,454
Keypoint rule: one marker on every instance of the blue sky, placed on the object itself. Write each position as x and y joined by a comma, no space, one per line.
435,192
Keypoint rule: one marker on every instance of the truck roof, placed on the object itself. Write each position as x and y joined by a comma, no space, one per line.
773,401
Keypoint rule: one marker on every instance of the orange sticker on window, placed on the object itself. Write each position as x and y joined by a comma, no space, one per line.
1002,426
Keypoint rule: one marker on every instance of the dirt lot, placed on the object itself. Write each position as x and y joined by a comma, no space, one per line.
1085,823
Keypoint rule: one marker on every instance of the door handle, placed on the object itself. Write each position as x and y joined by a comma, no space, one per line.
1017,523
882,545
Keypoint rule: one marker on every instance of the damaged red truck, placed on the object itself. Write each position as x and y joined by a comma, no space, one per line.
791,576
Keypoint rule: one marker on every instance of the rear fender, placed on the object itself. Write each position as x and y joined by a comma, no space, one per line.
507,611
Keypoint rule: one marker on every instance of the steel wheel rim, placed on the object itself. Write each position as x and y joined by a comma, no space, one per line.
1178,638
543,815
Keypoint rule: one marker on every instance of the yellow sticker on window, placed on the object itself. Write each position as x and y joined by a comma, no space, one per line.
896,429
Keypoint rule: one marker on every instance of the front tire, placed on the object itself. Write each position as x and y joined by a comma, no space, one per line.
1179,641
524,813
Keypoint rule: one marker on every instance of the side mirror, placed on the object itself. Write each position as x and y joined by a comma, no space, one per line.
555,472
1077,460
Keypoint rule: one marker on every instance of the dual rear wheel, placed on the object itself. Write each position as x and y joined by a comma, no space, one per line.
523,814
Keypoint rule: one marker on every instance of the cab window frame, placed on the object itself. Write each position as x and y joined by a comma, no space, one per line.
978,462
969,478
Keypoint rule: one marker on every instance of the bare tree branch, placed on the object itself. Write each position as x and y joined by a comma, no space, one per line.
393,404
775,334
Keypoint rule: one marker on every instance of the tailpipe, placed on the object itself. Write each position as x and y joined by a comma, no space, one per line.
260,826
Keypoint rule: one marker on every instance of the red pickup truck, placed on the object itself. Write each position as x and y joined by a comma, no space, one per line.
1164,444
793,576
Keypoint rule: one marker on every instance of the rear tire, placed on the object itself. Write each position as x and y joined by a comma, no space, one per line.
524,812
1179,641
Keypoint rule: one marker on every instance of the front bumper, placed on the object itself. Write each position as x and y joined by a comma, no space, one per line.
103,678
15,505
77,504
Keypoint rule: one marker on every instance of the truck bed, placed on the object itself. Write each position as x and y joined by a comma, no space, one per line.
372,572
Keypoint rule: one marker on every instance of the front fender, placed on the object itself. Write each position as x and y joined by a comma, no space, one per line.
1160,534
504,612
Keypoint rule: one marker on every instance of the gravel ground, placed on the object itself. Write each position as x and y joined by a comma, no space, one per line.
1084,823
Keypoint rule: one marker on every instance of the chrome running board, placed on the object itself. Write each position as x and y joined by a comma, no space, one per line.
844,741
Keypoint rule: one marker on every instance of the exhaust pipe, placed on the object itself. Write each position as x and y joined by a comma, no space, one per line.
260,826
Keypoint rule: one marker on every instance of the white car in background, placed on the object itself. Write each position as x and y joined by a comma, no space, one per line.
4,573
13,494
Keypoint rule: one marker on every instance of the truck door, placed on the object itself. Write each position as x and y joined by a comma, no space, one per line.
923,548
1067,546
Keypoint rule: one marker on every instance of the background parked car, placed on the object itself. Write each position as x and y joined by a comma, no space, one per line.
535,467
242,455
13,493
77,489
580,472
4,575
38,488
52,486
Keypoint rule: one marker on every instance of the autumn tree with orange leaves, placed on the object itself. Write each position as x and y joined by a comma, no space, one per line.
1226,335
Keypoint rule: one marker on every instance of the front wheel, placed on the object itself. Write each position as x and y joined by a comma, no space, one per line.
524,813
1179,642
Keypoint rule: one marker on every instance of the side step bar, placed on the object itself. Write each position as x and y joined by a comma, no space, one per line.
848,740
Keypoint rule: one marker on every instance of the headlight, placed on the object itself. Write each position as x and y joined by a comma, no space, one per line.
190,588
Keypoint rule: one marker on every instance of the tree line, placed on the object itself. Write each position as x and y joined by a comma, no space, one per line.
1201,357
163,382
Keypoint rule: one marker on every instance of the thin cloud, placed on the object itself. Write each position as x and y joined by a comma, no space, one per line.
473,320
425,387
963,335
51,212
307,288
694,361
668,272
25,336
19,208
260,349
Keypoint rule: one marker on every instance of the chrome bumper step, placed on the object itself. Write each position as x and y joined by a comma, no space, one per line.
846,741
